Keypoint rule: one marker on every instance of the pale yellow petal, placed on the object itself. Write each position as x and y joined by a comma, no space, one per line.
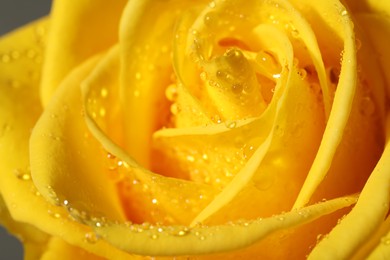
364,219
146,196
59,249
66,163
79,29
163,241
342,101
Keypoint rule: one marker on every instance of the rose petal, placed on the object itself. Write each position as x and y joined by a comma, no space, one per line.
378,30
147,197
365,217
153,240
69,43
20,52
59,249
33,239
343,99
64,159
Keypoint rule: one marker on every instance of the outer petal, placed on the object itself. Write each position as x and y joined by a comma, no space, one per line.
145,42
66,169
20,54
366,216
60,250
34,240
79,29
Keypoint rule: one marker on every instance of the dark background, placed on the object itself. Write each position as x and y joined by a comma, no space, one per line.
13,14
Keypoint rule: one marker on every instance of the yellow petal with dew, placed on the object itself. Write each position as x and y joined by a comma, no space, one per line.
147,197
78,30
378,30
365,218
65,158
341,106
20,108
161,241
34,241
59,249
145,43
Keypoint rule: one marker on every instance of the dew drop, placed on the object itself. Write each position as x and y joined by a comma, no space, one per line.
344,12
91,237
171,92
302,73
102,112
212,4
22,175
103,92
203,76
54,214
136,93
385,241
367,106
231,124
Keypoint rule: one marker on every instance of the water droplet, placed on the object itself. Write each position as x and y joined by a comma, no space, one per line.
54,214
154,236
91,237
182,232
281,218
385,241
203,76
171,92
174,109
102,111
302,73
210,19
22,175
358,44
103,92
344,12
154,201
190,158
367,106
231,124
212,4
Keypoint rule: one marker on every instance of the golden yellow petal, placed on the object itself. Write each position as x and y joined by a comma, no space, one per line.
163,241
66,163
377,28
365,218
78,30
34,240
343,99
145,43
146,196
59,249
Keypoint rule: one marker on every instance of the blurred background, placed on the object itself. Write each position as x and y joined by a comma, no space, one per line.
13,14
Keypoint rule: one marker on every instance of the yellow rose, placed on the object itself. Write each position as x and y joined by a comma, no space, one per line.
206,130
